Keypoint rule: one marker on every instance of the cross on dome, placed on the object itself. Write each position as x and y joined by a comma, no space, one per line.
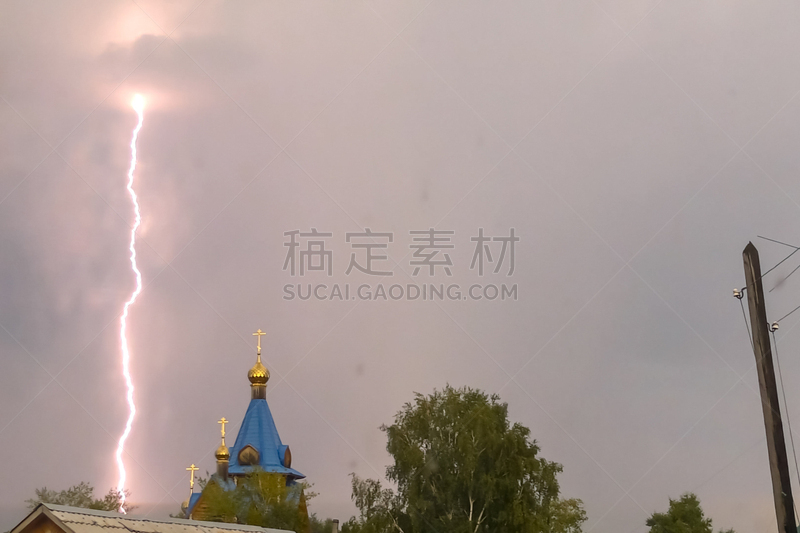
258,375
192,469
258,334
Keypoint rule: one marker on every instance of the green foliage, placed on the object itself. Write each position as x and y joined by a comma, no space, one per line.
381,510
320,526
259,499
202,481
80,495
460,466
684,516
567,516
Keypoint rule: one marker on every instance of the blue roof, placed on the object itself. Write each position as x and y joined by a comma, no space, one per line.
258,430
192,502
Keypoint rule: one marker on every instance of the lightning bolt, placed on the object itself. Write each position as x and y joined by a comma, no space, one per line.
138,106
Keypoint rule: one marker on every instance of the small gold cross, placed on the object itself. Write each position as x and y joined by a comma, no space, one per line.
192,469
223,422
258,334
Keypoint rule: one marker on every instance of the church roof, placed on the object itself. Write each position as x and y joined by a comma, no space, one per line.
258,430
77,520
192,502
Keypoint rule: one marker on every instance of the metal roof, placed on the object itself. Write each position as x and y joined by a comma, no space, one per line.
192,502
259,431
80,520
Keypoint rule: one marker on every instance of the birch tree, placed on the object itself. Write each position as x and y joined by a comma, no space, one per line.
461,466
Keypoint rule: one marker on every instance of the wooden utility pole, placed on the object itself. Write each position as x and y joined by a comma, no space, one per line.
776,445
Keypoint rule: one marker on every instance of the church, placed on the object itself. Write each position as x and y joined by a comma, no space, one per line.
258,447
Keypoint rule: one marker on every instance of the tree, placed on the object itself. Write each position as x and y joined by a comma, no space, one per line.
320,526
567,516
259,499
381,510
460,466
684,516
81,495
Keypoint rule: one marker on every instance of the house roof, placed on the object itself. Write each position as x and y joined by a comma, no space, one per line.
258,430
78,520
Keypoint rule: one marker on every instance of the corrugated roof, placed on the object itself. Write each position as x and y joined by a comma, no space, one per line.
91,521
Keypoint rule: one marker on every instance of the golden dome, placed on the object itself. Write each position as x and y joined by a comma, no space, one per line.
258,375
222,453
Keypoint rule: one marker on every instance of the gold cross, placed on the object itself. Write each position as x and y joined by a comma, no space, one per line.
223,422
192,469
258,334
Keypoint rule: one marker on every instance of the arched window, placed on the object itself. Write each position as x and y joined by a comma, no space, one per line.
287,458
248,456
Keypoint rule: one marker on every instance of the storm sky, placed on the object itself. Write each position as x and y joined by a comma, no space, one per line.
634,147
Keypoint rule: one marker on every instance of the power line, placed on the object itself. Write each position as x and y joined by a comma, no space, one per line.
784,279
779,242
787,314
796,249
779,263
